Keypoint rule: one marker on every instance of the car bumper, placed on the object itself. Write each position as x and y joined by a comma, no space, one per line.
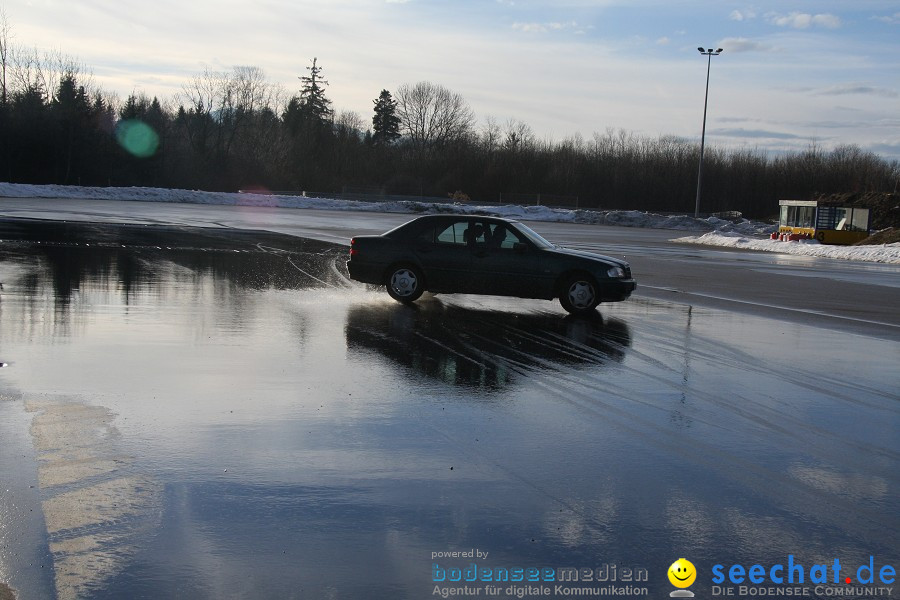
616,290
366,273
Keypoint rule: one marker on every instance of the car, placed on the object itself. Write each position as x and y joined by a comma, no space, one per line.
485,255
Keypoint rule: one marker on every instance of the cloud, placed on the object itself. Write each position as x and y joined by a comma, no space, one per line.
798,20
737,120
866,90
738,44
827,20
888,149
545,27
893,19
756,133
754,126
530,27
742,15
835,124
663,41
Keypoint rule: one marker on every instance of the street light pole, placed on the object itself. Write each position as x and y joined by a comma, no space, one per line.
708,54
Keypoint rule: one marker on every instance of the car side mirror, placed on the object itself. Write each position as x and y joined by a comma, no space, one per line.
520,247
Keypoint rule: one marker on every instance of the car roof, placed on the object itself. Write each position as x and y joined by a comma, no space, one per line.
455,217
418,223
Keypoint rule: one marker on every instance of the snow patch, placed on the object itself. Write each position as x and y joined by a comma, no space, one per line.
884,253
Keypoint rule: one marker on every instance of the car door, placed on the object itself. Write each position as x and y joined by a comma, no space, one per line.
510,265
445,257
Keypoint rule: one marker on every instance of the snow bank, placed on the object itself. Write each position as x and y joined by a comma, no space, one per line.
719,232
620,218
884,253
142,194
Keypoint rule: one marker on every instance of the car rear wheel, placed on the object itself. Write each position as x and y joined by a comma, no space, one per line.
405,283
579,295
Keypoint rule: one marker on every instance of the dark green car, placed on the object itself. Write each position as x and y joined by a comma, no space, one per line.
485,255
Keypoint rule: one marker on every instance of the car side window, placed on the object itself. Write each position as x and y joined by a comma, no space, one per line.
504,238
454,234
476,235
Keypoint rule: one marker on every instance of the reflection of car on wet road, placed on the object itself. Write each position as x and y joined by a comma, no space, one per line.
485,255
483,349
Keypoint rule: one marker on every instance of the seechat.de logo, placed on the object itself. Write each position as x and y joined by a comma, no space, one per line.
682,573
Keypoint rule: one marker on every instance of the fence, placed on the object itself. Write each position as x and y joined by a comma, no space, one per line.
378,195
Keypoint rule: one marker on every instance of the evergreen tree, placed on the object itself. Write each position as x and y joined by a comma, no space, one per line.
308,120
141,132
313,102
70,110
385,123
156,117
293,116
134,108
29,137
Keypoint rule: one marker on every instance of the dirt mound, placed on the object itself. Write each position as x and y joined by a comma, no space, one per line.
891,235
884,206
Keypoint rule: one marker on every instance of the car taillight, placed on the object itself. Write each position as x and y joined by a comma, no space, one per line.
352,249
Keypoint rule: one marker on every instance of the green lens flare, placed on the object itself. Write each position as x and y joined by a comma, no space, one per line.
137,138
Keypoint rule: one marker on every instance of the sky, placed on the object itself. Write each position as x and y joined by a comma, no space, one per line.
792,73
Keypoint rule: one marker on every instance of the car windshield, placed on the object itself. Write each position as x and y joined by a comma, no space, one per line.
534,236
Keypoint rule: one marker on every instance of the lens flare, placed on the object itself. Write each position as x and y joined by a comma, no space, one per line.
137,138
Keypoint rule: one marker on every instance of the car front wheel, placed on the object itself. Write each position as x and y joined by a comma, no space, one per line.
579,295
405,283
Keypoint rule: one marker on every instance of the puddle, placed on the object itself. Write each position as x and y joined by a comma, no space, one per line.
241,420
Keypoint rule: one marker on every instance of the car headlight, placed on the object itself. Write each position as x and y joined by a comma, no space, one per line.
616,272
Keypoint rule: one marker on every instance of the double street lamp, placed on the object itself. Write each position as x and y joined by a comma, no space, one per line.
708,54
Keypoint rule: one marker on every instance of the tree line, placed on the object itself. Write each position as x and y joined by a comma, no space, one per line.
234,130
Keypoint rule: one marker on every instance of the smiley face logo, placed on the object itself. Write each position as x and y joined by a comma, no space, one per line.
682,573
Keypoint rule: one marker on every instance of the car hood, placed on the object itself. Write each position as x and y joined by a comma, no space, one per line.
591,256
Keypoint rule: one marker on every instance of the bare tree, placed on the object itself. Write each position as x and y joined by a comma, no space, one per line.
33,70
251,91
4,50
59,66
519,136
349,123
225,102
25,70
203,93
490,135
431,115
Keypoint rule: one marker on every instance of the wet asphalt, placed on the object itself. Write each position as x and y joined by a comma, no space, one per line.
209,413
